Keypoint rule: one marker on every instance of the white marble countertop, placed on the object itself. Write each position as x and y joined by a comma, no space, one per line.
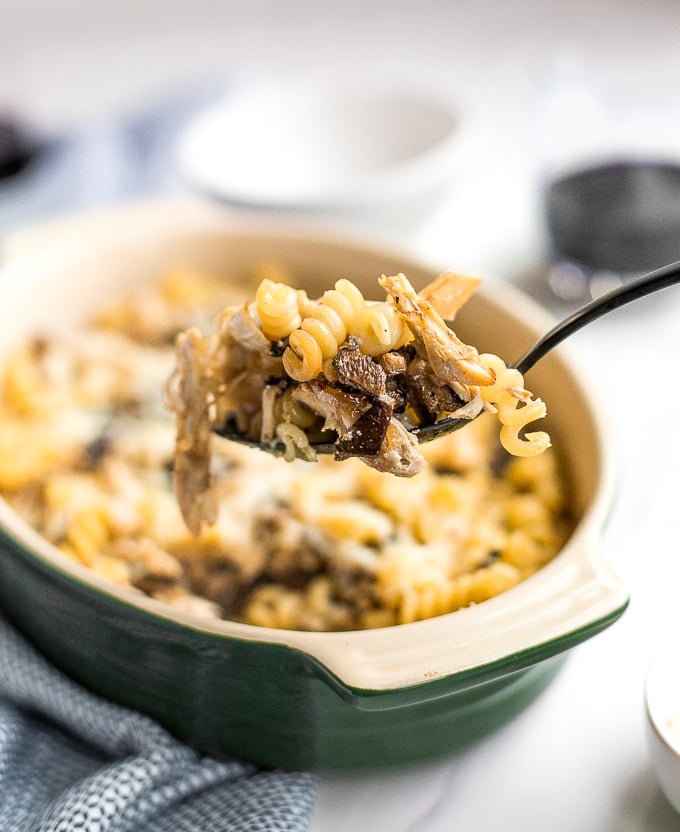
576,759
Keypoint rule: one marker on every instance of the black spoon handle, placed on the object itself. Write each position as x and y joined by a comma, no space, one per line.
638,288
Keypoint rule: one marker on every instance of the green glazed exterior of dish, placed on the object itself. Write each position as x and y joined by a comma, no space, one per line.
259,701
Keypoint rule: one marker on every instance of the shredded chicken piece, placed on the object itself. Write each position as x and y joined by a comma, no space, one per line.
399,453
451,360
187,394
240,327
449,292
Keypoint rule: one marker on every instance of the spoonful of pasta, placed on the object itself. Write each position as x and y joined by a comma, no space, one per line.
343,375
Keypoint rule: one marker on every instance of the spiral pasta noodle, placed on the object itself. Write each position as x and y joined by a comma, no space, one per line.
381,329
277,307
516,409
295,442
323,331
418,603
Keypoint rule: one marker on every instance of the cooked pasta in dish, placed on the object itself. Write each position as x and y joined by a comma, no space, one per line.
288,372
87,452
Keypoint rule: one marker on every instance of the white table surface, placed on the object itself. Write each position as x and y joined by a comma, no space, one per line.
576,760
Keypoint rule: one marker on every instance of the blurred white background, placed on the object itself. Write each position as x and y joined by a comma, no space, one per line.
69,63
65,60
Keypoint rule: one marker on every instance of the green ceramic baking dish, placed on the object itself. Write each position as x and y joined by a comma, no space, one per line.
303,699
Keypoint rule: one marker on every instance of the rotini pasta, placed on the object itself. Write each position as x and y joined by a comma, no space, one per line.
516,409
295,442
277,307
323,330
416,604
381,329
